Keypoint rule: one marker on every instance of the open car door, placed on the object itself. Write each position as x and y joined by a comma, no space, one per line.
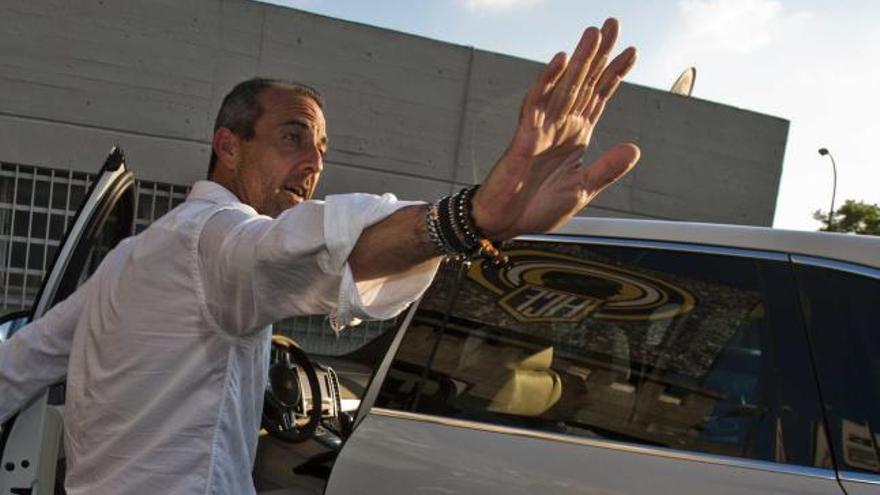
30,442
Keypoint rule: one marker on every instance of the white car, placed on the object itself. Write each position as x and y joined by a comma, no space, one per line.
611,357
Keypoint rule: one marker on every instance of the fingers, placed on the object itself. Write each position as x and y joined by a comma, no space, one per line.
610,167
610,32
554,72
566,91
544,82
608,83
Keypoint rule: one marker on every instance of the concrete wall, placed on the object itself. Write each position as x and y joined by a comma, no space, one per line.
406,114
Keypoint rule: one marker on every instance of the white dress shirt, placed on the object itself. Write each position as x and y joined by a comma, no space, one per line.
168,340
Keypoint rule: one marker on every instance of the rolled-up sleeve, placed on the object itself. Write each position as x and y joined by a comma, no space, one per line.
256,270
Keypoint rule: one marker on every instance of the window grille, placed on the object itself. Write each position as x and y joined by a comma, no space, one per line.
37,205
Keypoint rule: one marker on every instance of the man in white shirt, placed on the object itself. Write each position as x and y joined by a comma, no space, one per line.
165,347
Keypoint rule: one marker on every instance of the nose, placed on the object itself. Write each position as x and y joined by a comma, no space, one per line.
314,159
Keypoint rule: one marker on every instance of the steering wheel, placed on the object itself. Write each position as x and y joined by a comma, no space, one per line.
284,416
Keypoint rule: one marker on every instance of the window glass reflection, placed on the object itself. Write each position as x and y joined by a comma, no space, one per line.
843,318
647,346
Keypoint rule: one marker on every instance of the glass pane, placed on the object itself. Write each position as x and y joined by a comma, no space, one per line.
35,258
354,354
50,255
145,206
115,227
22,219
653,347
11,325
38,225
843,320
59,193
14,281
23,195
56,227
314,335
42,193
77,196
7,188
18,254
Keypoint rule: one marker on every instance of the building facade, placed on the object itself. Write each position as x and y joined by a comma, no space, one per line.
406,114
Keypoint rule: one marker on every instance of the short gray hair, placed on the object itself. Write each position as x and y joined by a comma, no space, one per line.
240,109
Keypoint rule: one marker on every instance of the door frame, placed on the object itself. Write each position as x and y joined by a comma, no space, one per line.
33,436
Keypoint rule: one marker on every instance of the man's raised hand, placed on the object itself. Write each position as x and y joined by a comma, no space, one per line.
539,182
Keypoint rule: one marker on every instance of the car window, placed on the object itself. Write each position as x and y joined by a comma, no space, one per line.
10,323
843,320
111,226
317,338
701,352
112,222
354,353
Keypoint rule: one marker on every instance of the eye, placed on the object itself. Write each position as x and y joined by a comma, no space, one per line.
293,137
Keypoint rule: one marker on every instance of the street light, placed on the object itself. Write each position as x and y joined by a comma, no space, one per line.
824,152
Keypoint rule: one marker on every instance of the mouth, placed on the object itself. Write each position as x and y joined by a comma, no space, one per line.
296,192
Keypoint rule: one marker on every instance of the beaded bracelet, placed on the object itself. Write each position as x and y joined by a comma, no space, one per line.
432,221
452,229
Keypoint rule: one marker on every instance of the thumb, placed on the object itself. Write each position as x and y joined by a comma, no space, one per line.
613,165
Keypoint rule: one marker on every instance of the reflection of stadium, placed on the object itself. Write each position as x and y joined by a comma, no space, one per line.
691,340
860,446
648,376
546,286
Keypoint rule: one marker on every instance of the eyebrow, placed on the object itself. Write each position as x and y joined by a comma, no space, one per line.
297,123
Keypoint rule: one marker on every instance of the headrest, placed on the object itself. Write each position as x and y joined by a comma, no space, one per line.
531,388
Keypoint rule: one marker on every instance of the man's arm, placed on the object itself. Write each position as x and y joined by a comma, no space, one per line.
255,270
36,356
393,245
539,182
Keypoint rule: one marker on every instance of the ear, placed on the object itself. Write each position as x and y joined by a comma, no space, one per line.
227,146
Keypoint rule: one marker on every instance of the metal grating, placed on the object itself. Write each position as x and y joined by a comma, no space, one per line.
37,204
154,199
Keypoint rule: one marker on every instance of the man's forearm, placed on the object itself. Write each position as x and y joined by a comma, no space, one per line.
37,355
394,245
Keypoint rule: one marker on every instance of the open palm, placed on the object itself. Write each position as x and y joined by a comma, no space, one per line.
540,182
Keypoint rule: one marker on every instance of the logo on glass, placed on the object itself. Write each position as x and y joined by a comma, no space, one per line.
543,286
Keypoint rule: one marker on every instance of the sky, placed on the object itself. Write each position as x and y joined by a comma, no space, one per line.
814,63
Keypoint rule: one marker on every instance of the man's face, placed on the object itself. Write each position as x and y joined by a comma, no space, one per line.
280,166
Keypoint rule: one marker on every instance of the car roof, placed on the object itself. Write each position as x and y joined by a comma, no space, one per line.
859,249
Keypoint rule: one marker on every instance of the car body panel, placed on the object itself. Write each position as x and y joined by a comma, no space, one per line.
401,453
860,483
396,451
859,249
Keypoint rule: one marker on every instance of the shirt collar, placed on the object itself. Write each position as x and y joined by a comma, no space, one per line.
208,190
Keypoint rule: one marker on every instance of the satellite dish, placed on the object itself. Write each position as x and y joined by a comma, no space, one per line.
684,85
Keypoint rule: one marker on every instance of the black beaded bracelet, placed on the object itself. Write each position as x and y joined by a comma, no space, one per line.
452,229
444,226
432,221
464,212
